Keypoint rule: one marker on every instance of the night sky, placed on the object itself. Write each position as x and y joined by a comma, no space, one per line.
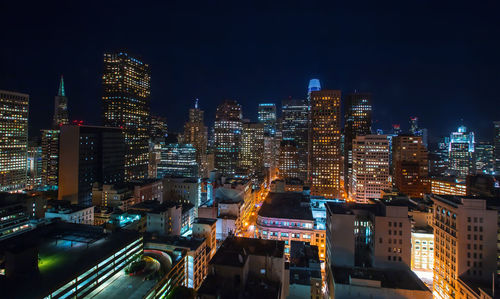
439,62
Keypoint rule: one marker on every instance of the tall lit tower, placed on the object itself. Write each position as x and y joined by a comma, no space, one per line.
325,143
314,85
295,114
227,136
60,107
358,122
252,147
126,97
461,152
267,116
195,133
410,165
13,140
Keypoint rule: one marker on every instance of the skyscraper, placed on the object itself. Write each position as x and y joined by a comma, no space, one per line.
195,133
88,155
358,122
370,167
410,165
325,143
483,158
496,144
50,158
227,137
158,130
295,114
177,159
314,85
60,107
34,165
461,152
252,147
267,116
126,96
289,160
13,140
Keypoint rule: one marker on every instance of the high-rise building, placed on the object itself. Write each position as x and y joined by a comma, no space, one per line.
438,159
159,128
358,122
267,116
484,158
370,167
289,160
295,114
496,144
195,133
461,152
60,107
227,137
177,159
465,245
252,147
34,166
314,85
325,143
126,96
13,140
88,155
410,165
50,158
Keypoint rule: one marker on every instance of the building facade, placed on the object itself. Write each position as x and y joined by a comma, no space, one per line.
370,167
13,140
228,126
126,96
252,147
177,159
196,133
325,143
461,152
410,165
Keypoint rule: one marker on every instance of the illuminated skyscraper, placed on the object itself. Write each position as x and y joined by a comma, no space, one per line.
227,137
158,129
314,85
126,96
252,147
13,140
60,107
358,122
34,165
461,152
267,116
195,133
496,144
325,143
177,160
410,165
295,114
370,167
50,158
289,160
483,158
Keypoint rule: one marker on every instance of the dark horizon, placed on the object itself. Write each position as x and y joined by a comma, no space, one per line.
414,59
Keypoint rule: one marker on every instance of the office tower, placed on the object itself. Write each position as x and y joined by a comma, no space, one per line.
496,144
195,133
410,165
34,165
370,167
60,107
88,155
465,245
447,186
158,129
177,159
438,158
13,140
267,116
126,97
289,161
325,143
50,158
461,152
314,85
295,114
358,122
414,125
227,137
484,158
252,147
271,152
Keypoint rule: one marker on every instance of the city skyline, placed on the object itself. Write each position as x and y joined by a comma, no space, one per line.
197,62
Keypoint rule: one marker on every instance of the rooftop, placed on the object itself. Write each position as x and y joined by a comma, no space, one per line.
235,250
153,206
389,278
304,263
65,250
209,221
286,205
175,241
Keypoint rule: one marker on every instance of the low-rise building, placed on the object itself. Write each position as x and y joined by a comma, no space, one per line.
71,213
448,186
206,228
247,268
162,218
305,271
422,252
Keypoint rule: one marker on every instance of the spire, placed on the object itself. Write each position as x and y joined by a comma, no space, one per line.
61,92
196,104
